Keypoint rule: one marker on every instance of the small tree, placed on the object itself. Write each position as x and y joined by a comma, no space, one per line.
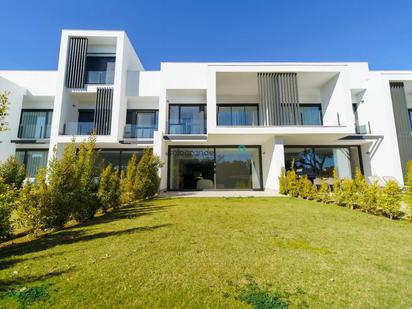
408,184
12,172
127,181
307,188
389,199
147,179
108,191
4,106
323,194
85,203
360,188
8,195
292,183
369,202
346,195
35,209
282,182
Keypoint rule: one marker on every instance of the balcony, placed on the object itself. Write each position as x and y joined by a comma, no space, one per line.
34,131
189,127
34,125
100,70
78,128
187,119
139,132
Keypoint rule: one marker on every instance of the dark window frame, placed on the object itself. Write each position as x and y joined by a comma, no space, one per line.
120,150
48,110
99,55
237,105
215,147
410,117
319,105
25,150
312,147
180,115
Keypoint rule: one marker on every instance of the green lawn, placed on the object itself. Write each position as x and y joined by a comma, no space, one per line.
201,253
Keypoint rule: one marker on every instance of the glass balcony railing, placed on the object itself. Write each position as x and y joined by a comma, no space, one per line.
100,77
78,128
187,128
34,131
136,131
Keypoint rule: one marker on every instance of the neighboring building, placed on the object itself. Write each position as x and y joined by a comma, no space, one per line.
214,125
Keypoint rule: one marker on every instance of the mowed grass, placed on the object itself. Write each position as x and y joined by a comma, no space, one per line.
199,253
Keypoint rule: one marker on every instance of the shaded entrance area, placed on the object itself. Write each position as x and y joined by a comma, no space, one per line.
215,168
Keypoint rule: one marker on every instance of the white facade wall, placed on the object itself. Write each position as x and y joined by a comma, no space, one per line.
334,85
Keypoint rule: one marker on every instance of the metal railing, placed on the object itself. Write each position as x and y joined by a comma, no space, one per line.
187,128
100,77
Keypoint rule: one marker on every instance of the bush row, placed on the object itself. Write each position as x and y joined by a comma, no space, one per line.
72,187
356,193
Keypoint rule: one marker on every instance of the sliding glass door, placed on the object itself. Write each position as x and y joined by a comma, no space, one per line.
187,119
218,167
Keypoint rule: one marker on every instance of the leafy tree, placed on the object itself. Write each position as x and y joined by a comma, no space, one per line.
8,197
127,182
369,202
4,105
147,178
85,204
12,172
360,188
323,194
389,199
108,191
408,184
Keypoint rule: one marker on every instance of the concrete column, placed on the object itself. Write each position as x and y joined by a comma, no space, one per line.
273,159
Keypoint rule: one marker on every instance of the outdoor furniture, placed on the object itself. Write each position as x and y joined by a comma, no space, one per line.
330,181
377,180
204,184
317,182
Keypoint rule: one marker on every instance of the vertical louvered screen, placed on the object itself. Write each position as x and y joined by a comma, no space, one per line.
403,127
76,62
103,111
279,99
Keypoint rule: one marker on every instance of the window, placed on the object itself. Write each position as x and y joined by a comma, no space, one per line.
187,119
35,124
141,123
321,161
100,69
410,117
32,160
237,115
311,114
118,158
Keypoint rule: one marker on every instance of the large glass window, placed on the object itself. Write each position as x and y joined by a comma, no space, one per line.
209,168
35,124
32,160
118,158
310,114
410,116
141,123
321,161
237,168
237,115
100,69
187,119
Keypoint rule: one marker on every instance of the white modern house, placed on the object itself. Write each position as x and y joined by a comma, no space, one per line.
215,126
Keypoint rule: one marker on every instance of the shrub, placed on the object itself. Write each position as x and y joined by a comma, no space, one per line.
34,210
292,183
147,178
127,181
360,188
408,184
12,172
346,196
84,203
108,191
7,203
307,189
282,182
369,202
323,194
389,199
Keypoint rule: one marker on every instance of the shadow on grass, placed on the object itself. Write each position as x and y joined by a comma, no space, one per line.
18,281
78,233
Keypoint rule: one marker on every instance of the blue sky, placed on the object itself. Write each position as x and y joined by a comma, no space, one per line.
379,32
